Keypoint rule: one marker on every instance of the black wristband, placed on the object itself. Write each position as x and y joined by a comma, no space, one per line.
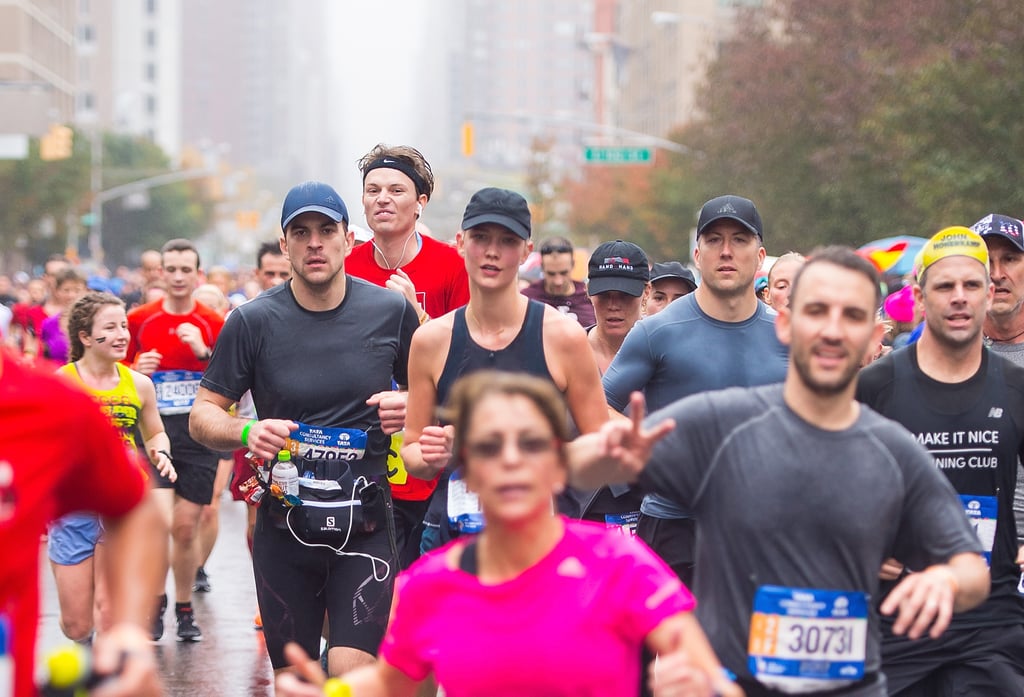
164,452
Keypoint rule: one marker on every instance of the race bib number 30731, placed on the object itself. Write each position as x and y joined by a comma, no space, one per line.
804,640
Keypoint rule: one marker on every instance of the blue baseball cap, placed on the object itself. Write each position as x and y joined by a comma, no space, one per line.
313,196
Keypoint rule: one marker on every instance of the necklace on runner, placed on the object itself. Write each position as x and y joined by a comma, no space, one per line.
990,340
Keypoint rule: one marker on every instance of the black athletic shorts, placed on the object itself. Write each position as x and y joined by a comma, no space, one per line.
672,539
986,661
296,584
409,529
196,464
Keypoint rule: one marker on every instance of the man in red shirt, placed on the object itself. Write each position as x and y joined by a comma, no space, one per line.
59,454
397,184
171,341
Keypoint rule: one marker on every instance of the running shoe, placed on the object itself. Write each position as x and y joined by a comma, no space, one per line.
202,584
187,628
158,620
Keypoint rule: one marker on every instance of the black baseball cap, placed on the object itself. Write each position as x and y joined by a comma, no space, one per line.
673,269
620,266
501,206
995,225
731,207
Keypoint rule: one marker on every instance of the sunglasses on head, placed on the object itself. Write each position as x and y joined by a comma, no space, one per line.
555,249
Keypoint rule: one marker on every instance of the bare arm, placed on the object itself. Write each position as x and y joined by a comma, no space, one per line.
157,444
377,680
929,598
618,452
137,559
426,449
686,664
575,361
212,425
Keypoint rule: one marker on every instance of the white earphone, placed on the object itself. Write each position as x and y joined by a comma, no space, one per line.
419,209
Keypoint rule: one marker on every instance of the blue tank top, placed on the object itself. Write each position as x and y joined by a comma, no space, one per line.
525,353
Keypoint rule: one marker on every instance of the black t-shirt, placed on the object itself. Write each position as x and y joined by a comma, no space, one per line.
975,431
317,367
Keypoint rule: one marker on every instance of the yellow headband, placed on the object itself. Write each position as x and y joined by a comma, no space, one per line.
952,242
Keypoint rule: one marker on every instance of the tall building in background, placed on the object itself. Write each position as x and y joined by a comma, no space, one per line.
129,69
668,47
37,65
254,82
524,71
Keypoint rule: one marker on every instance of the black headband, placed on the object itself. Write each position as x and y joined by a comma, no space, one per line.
403,167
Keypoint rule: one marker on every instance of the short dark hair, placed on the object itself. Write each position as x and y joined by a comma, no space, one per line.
265,249
844,257
556,245
69,275
179,244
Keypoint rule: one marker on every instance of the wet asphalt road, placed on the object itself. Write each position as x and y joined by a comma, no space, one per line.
231,659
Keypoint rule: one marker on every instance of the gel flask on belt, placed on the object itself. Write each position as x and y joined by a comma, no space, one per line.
285,475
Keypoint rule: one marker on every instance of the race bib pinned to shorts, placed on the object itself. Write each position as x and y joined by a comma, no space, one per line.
322,443
175,390
464,514
806,640
981,511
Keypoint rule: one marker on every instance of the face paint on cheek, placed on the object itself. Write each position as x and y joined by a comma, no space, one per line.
100,339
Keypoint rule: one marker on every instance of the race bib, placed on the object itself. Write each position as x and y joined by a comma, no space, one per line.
805,640
397,474
321,443
175,390
464,513
624,523
981,511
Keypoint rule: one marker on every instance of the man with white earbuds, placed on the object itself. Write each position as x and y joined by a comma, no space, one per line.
397,183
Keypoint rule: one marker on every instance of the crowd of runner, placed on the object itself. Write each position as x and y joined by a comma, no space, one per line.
660,479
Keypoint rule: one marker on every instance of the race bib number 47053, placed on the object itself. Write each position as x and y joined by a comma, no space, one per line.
805,640
322,443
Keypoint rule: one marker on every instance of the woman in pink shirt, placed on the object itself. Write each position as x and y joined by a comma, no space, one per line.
536,604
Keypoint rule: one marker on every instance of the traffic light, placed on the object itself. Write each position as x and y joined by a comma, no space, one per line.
247,220
467,139
57,144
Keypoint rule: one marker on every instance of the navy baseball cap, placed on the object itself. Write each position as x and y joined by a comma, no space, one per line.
995,225
730,207
501,206
313,196
620,266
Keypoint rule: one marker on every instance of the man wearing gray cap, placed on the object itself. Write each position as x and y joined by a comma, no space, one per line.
1004,323
318,354
716,337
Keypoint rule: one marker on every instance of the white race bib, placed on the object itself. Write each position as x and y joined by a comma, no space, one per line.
805,640
175,390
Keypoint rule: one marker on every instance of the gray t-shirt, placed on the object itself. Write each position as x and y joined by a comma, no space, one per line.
1015,353
781,502
682,351
318,368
